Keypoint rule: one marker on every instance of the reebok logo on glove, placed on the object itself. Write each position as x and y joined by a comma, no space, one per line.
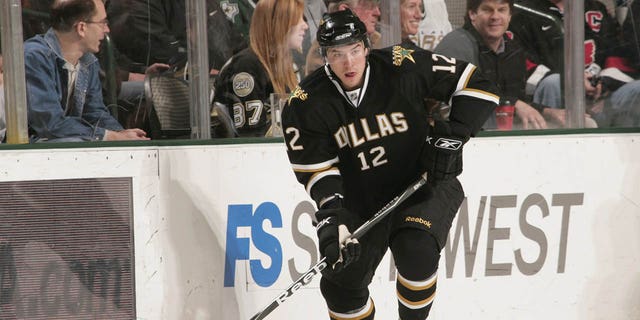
446,143
323,222
441,156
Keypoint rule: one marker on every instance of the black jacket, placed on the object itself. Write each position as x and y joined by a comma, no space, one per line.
163,38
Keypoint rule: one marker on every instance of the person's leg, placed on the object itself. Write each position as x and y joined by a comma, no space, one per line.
416,254
347,303
624,110
132,111
419,231
346,291
131,91
549,92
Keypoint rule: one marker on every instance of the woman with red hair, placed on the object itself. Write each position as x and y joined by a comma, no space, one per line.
248,79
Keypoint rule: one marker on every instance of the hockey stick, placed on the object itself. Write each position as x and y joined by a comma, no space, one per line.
306,278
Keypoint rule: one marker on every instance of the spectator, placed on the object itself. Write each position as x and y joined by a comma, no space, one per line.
239,12
624,107
411,14
434,25
64,97
245,82
155,31
367,10
483,41
129,85
543,42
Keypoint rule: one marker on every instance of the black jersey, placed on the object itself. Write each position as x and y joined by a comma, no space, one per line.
543,39
243,87
367,151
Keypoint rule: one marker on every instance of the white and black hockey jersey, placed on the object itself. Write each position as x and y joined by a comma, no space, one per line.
368,150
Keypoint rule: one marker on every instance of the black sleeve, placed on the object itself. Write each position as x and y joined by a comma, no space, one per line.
312,150
472,97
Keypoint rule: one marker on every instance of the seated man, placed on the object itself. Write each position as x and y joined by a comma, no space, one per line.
64,96
483,41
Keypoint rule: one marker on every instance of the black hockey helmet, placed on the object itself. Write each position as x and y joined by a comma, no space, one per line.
339,28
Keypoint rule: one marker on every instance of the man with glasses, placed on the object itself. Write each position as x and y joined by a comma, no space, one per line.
357,134
64,96
368,11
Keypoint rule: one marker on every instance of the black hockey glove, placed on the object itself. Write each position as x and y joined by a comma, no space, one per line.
442,152
332,232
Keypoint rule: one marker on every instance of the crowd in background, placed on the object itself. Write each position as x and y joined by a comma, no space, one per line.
257,48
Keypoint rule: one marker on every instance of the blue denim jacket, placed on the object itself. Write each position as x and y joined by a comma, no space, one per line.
47,89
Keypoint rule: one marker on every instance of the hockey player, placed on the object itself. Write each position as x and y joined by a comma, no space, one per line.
357,134
246,81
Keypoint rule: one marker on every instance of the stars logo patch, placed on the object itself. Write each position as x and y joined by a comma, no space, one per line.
400,53
297,93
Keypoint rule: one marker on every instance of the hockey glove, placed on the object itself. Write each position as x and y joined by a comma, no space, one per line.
442,152
333,238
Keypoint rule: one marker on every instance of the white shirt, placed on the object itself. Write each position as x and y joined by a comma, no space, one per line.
71,81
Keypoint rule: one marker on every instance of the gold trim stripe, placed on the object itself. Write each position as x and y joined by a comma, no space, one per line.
415,305
315,167
418,285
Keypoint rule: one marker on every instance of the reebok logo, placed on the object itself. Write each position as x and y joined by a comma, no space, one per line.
324,222
545,28
448,144
419,220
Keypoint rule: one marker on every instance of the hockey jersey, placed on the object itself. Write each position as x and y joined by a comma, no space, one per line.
243,87
543,38
364,145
